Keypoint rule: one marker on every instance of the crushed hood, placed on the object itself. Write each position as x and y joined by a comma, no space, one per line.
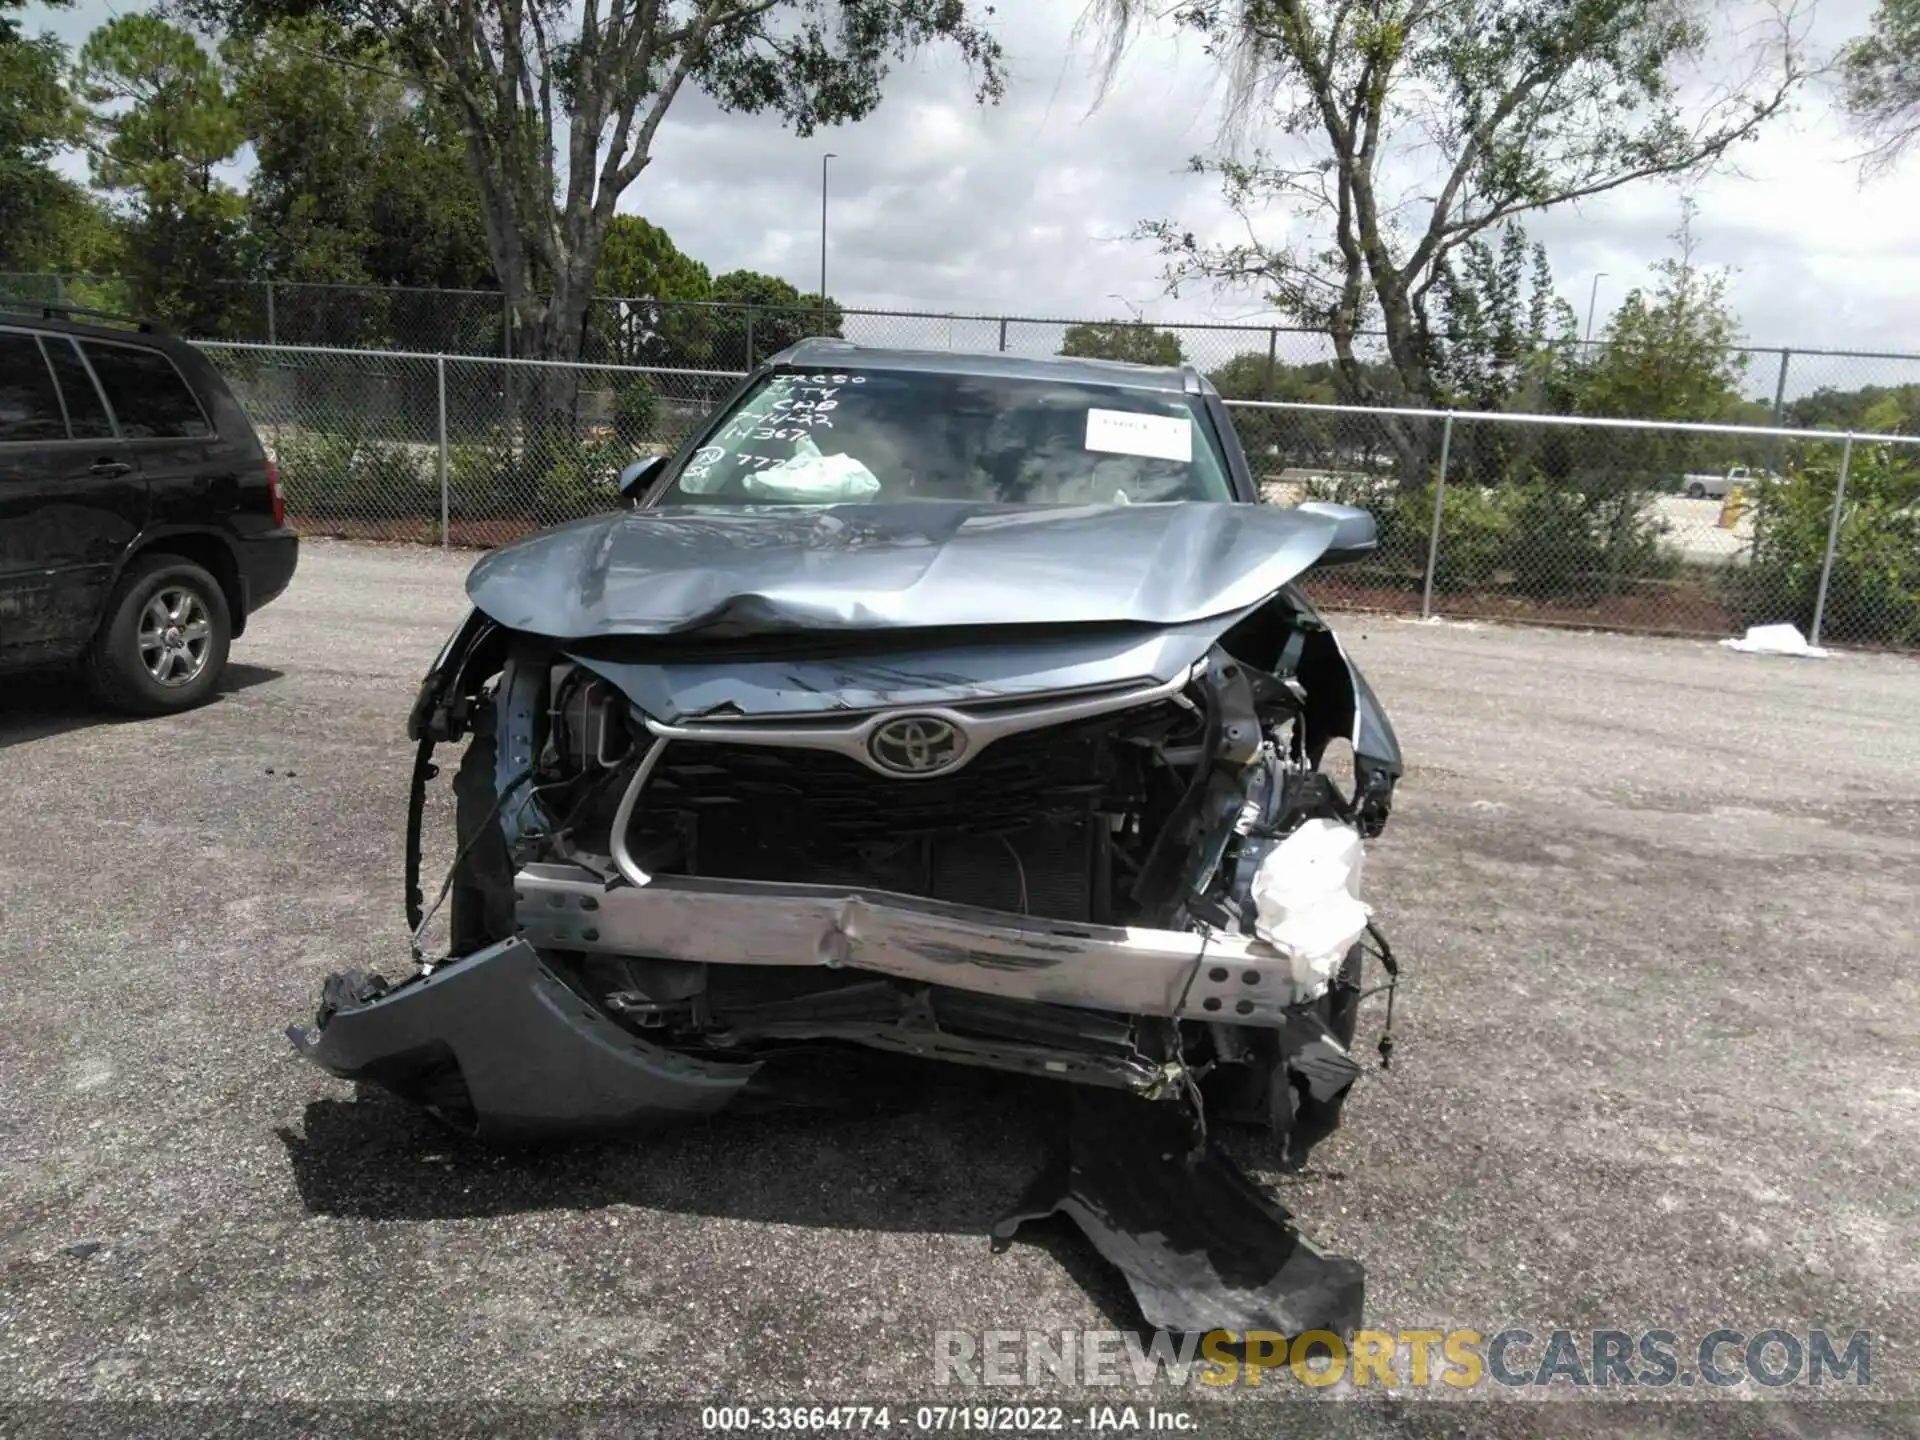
737,571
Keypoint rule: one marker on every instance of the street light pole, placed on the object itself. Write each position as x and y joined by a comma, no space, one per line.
1593,294
823,236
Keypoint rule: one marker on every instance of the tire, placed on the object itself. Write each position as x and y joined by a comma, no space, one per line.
1696,492
141,664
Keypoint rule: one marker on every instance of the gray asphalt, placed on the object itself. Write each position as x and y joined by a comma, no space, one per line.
1659,908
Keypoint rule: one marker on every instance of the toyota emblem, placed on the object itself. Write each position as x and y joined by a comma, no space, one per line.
916,745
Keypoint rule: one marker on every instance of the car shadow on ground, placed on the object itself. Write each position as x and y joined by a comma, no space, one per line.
53,702
907,1148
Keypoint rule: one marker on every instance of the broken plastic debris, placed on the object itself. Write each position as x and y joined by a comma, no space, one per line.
1306,899
1201,1246
1775,640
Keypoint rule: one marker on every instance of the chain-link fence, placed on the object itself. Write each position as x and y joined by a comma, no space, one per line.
1687,529
1679,529
1800,387
454,449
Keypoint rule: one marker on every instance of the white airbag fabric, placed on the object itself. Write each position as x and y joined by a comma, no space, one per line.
815,477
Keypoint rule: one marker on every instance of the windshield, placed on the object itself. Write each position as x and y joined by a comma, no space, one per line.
886,436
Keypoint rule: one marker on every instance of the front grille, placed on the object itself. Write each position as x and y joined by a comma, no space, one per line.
1060,771
1014,829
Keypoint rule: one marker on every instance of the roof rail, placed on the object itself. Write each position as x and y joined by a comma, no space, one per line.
53,311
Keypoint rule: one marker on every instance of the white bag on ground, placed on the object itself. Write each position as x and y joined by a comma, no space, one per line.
1775,640
1306,898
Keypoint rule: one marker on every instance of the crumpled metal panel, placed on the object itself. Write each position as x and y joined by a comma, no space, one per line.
954,670
736,571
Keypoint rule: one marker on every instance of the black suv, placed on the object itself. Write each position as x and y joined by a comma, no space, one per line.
141,522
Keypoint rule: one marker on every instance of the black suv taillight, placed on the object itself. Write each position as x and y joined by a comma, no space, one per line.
273,489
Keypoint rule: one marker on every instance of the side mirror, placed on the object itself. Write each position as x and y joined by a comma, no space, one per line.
1355,533
637,477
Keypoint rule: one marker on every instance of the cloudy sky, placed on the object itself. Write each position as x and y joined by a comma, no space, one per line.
937,204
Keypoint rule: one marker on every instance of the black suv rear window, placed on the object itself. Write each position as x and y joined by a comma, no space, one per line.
149,398
86,416
29,404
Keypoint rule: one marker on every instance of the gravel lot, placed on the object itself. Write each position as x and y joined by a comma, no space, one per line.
1656,1068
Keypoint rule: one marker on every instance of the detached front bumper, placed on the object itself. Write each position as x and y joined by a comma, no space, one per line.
499,1044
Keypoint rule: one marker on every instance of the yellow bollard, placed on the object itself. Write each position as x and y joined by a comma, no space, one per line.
1732,507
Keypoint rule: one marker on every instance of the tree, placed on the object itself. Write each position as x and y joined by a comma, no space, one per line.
1673,354
1883,408
1288,437
1880,81
1409,127
161,126
772,311
1245,377
1873,585
561,103
46,221
640,260
647,313
360,178
1122,340
1505,339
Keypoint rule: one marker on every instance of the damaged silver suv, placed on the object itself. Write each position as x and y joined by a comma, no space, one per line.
960,706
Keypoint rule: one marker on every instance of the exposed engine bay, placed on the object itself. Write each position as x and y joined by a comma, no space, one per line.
1104,899
1113,853
1153,828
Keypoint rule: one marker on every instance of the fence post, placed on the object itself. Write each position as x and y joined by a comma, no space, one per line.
1003,333
1779,409
1833,539
506,328
1273,348
440,384
749,337
1439,504
273,333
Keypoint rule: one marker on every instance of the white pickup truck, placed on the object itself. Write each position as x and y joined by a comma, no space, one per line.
1715,487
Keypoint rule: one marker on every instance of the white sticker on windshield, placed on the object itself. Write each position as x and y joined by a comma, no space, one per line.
1124,432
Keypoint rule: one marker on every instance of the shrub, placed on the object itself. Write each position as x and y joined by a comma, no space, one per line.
332,476
582,480
1874,592
1593,533
1474,528
1545,538
483,483
636,409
